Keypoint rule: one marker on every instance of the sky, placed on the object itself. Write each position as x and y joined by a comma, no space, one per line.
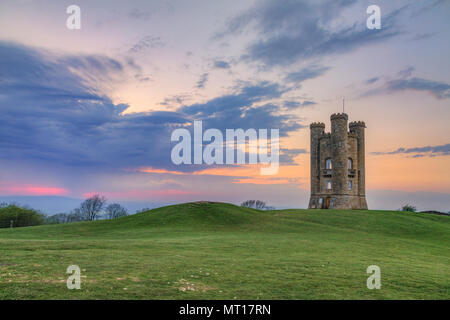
92,110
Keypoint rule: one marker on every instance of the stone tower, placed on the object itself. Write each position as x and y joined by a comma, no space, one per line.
338,165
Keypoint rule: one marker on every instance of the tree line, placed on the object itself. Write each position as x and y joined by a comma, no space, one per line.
93,208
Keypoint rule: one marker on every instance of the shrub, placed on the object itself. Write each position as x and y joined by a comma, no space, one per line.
16,216
76,216
115,210
408,208
255,204
56,218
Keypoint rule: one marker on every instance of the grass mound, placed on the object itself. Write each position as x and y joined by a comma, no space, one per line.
221,251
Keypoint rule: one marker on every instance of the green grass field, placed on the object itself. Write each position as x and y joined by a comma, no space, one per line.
221,251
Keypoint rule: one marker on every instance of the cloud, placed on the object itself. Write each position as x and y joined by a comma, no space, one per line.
422,36
242,109
287,156
372,80
12,188
306,73
147,42
262,181
428,6
292,30
52,116
175,100
406,72
439,90
430,151
139,14
220,64
202,81
295,104
403,82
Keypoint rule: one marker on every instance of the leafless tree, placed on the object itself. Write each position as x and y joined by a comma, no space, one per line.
91,207
75,216
115,210
255,204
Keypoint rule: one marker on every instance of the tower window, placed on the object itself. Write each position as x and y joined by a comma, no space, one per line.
328,164
349,183
350,163
328,185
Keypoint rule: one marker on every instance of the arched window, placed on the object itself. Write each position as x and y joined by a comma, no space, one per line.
328,185
350,163
328,164
349,183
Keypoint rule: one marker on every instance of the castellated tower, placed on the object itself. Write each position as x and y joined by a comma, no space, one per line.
338,165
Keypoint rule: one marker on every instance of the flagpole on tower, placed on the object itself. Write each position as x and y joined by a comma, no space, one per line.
343,104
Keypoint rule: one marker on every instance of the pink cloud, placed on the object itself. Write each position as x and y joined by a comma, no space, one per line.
7,188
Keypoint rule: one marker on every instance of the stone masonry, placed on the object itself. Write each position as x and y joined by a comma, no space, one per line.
338,165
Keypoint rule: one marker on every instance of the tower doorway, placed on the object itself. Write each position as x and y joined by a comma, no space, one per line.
327,203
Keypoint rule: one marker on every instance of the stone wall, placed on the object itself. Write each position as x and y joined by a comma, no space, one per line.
343,143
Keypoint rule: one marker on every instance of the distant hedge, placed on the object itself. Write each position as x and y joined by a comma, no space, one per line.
19,217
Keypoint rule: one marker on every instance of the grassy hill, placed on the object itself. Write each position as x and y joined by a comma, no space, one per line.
221,251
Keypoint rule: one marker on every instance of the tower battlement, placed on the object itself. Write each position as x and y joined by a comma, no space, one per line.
357,124
338,164
325,135
317,125
336,116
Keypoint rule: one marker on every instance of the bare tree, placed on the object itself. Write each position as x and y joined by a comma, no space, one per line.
256,204
75,216
115,210
91,207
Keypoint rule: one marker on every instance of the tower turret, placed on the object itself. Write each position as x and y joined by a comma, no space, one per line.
317,129
339,142
358,128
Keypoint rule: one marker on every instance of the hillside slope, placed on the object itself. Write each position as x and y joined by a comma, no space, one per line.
221,251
